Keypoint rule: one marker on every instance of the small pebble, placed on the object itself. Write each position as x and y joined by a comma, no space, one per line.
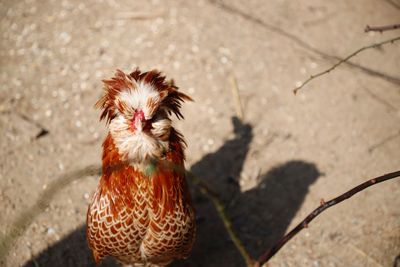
195,49
61,166
177,65
224,60
206,148
51,231
65,37
313,65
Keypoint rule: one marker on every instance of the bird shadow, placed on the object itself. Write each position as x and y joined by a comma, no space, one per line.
260,216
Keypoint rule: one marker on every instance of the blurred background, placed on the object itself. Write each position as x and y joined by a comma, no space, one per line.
271,167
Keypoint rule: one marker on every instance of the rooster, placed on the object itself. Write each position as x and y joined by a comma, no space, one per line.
141,212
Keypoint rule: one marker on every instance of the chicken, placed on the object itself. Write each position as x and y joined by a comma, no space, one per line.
141,212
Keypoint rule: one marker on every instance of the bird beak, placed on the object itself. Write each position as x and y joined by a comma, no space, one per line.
139,120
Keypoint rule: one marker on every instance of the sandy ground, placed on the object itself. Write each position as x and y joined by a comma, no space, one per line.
271,169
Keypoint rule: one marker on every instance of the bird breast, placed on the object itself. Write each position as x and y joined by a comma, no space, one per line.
137,219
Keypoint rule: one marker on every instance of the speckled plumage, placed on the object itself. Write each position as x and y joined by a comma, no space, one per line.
142,215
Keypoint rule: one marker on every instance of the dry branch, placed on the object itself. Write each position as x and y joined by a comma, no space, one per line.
382,28
297,40
324,205
219,206
236,96
140,15
312,77
25,218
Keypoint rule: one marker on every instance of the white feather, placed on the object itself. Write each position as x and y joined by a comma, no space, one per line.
139,147
137,98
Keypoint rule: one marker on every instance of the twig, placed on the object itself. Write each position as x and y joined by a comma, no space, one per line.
384,141
43,131
300,42
219,206
324,205
26,217
361,252
236,96
394,3
382,28
380,100
312,77
140,15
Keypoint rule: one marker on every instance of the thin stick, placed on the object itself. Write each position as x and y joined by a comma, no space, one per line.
236,96
312,77
324,205
219,206
26,217
361,252
382,28
140,15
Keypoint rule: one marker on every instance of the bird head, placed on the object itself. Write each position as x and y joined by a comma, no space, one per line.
137,107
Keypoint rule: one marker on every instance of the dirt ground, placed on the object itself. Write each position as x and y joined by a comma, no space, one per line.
271,169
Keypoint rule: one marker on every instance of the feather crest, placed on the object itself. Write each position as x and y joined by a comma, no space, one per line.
171,98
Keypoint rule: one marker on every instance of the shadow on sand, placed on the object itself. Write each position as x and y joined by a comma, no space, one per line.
260,216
